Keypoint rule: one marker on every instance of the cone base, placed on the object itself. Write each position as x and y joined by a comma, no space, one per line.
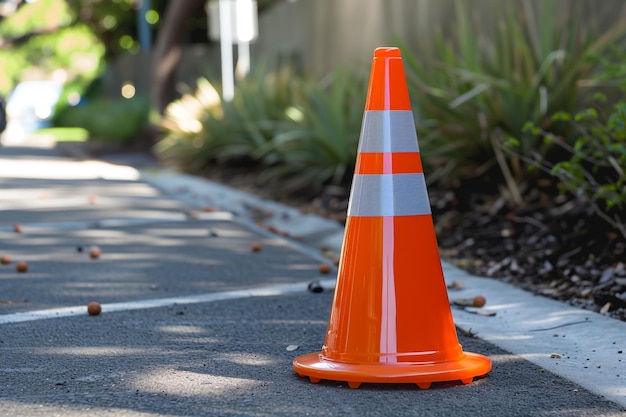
423,374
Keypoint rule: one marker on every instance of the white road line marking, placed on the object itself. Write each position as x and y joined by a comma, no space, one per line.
103,223
53,313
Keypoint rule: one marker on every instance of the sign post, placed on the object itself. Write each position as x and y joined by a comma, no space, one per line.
233,22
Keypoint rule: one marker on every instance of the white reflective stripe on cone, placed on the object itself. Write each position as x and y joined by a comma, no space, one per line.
388,131
388,195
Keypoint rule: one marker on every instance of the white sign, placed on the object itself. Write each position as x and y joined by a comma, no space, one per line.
244,18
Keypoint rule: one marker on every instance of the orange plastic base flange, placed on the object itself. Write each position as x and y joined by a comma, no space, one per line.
423,374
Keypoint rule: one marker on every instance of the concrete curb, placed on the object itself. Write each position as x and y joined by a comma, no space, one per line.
309,229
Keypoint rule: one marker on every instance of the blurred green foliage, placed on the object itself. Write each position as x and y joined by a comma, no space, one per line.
474,89
543,97
592,163
117,121
302,132
479,86
321,148
69,37
112,21
202,129
71,41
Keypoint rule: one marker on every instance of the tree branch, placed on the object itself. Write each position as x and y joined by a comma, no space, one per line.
20,40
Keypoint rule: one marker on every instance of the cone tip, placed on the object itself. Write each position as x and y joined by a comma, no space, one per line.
387,52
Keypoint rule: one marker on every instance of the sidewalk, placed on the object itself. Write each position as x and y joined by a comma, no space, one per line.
195,324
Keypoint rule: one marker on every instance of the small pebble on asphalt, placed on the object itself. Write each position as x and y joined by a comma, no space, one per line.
315,287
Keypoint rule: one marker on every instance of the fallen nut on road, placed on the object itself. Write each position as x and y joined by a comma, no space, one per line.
94,308
94,252
477,301
21,266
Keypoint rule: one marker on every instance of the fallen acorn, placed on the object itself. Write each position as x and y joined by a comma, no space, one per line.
21,266
94,308
94,252
324,268
5,260
256,247
477,301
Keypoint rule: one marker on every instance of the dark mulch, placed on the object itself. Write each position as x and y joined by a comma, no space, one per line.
552,246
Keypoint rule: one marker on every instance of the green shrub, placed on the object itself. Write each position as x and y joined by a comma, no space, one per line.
300,131
590,162
593,171
119,121
322,147
201,129
257,113
185,143
482,86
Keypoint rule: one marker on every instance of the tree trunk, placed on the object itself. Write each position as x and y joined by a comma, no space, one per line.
168,50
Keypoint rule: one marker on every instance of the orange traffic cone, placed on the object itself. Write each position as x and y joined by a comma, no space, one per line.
390,319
